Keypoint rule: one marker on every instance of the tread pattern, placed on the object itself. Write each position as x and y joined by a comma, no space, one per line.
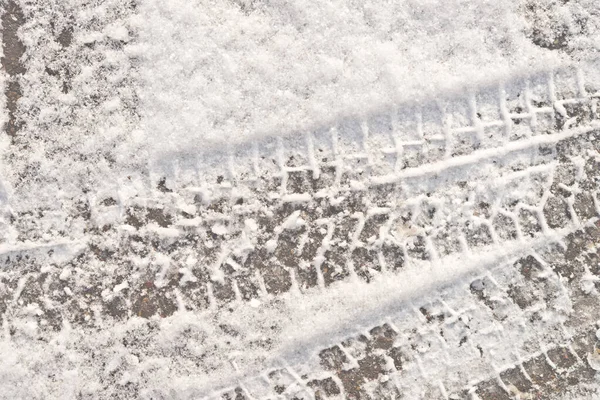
242,255
356,201
510,332
311,224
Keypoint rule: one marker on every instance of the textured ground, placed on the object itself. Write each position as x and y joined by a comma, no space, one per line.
441,248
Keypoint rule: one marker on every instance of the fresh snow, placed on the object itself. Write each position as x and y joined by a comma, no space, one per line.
221,71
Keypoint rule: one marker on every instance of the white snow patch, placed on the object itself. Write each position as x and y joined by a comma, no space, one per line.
121,286
117,32
271,245
219,229
218,72
292,222
254,303
251,225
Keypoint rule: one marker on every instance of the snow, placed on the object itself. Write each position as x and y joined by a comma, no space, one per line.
218,71
219,229
190,76
121,286
3,109
296,325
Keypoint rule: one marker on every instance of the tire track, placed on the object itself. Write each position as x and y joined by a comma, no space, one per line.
371,197
211,256
455,344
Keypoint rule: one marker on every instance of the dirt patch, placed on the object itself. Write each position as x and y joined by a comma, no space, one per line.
556,25
12,19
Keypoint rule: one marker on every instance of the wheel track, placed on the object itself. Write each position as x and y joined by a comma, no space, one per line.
230,248
418,352
340,244
396,139
381,167
371,197
276,162
310,220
